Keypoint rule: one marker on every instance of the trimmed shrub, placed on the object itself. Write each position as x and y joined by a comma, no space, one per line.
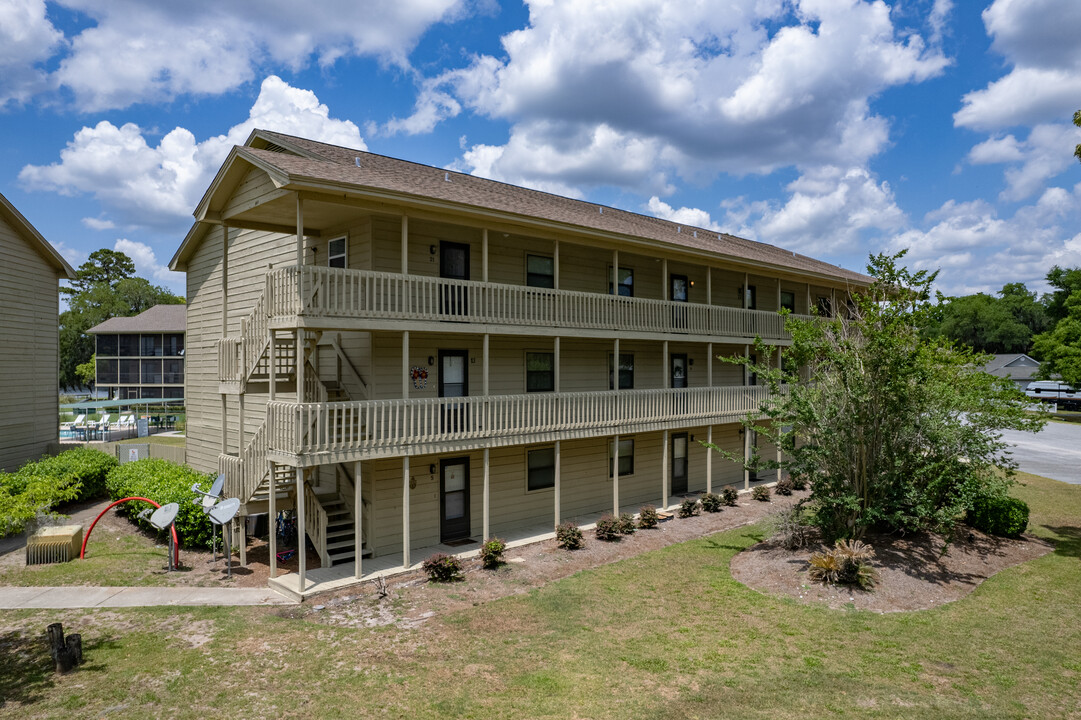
729,496
647,517
627,525
799,482
608,529
443,568
999,515
848,563
491,553
711,503
163,482
760,493
688,508
38,487
783,486
569,536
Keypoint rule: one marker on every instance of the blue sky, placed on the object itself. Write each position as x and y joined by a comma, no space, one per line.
835,128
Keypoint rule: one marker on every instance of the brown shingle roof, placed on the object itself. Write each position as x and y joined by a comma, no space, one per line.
158,319
363,170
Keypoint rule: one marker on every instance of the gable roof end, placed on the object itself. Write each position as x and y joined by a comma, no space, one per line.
31,235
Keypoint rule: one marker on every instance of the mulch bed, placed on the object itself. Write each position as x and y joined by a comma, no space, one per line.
914,574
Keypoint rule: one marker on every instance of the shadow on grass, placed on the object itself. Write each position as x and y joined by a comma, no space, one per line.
27,669
1068,540
753,538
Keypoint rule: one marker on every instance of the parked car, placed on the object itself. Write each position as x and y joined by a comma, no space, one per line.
1051,391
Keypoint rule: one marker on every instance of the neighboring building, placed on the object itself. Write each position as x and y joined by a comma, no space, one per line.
1016,366
141,356
30,272
414,357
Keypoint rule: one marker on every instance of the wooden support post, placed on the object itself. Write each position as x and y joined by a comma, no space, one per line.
240,425
405,244
484,359
709,460
746,456
485,499
300,231
555,265
664,280
746,291
615,474
709,364
358,514
778,448
709,286
272,363
300,365
666,467
615,365
405,364
224,424
808,298
405,512
666,371
555,364
557,486
484,255
272,520
302,550
243,544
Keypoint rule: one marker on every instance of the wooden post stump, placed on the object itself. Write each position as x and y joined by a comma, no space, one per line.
65,653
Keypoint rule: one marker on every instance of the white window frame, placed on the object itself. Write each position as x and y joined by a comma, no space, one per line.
344,254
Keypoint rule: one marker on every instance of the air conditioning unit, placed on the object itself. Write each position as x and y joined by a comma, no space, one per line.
56,544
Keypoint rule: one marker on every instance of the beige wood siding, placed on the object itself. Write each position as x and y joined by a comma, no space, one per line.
29,348
586,487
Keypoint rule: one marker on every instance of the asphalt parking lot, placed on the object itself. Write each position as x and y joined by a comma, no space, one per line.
1054,452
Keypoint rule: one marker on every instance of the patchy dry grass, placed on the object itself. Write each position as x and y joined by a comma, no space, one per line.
665,634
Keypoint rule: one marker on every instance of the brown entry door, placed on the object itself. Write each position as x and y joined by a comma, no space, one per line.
453,499
679,463
454,265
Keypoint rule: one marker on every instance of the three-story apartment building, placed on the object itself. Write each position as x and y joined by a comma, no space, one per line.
412,357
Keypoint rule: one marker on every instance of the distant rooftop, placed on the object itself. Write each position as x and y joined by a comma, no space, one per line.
158,319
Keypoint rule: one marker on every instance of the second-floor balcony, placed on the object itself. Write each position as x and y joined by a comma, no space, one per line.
315,296
314,433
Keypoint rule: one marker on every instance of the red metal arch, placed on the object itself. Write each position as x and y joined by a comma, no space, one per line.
176,540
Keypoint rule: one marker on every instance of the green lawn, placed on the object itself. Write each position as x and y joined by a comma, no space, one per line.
666,634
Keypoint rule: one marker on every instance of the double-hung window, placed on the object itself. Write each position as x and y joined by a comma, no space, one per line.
336,251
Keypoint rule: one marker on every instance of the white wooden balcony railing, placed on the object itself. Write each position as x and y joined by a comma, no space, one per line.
380,425
322,292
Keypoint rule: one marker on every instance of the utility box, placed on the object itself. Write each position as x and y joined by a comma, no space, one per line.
56,544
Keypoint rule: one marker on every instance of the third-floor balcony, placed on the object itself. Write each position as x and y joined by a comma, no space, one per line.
321,297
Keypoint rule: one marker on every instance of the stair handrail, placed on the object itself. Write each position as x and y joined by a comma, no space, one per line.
315,523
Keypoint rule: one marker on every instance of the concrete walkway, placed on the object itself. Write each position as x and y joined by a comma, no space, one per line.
15,598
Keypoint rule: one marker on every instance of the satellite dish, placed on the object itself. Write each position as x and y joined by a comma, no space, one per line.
224,511
163,517
210,497
220,514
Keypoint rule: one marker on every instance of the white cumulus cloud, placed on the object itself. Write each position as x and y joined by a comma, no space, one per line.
736,86
146,185
27,39
146,262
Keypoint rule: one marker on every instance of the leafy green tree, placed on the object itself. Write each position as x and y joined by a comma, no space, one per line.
894,429
87,371
104,288
991,324
1066,282
1059,350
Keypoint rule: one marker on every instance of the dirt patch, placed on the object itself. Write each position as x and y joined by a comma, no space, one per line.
914,574
197,567
411,599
